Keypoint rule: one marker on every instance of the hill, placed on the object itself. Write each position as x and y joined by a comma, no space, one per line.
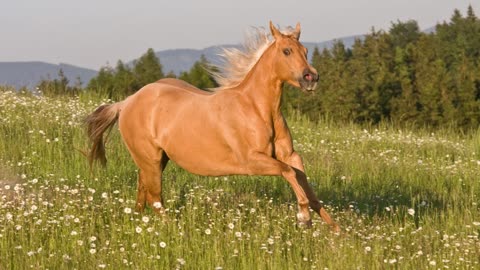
28,74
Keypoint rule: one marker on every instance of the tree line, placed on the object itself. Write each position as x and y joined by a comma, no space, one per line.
123,81
401,75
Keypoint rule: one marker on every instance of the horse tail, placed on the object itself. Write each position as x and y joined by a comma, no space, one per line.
101,120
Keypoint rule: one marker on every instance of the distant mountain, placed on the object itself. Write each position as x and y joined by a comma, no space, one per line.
29,74
182,59
430,30
179,60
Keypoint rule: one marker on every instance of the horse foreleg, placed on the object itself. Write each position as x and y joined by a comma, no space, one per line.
296,162
262,164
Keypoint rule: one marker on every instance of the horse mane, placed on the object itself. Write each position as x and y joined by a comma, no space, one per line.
237,62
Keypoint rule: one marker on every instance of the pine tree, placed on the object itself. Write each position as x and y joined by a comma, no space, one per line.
405,98
199,75
431,82
58,86
171,74
465,98
147,69
124,81
103,83
371,72
404,33
333,96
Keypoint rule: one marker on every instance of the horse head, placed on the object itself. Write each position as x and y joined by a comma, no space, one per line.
291,59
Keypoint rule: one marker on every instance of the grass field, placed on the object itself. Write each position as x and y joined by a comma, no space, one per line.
406,199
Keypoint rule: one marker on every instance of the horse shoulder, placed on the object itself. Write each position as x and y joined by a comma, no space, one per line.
283,139
245,128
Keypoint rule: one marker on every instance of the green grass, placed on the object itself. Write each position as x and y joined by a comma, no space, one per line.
406,199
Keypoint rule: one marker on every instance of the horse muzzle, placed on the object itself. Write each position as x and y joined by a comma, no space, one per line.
309,80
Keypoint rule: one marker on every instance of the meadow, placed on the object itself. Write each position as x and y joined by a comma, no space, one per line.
406,198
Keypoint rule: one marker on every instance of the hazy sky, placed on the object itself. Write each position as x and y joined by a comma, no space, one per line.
90,33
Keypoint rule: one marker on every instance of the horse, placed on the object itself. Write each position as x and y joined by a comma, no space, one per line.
235,129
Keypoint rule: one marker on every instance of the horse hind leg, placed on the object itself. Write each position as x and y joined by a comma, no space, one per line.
150,184
151,162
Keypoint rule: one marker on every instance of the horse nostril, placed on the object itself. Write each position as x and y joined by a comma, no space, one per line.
308,77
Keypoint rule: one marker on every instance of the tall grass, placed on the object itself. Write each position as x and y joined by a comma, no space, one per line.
405,199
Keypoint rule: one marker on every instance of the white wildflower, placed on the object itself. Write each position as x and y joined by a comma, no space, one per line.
392,261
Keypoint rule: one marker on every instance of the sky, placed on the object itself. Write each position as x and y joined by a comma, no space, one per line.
93,33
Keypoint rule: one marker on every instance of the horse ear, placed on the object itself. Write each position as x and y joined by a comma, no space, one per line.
275,33
296,33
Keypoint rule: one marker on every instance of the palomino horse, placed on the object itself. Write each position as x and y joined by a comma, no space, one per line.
237,129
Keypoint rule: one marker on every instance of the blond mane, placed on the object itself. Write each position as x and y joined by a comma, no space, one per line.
236,63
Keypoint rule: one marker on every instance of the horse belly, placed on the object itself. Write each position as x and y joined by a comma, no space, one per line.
199,163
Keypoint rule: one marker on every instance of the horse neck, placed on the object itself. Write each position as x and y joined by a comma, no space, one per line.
263,87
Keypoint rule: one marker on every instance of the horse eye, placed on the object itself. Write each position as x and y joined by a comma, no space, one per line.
286,51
